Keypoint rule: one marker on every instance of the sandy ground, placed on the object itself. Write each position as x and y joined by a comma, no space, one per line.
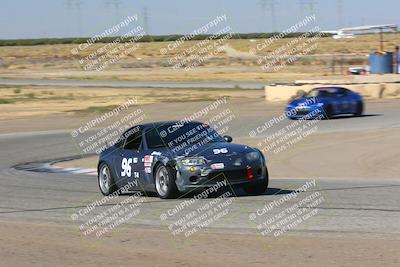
39,238
359,147
318,156
348,147
64,246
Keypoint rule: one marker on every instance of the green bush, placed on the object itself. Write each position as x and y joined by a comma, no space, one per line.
146,38
31,95
6,101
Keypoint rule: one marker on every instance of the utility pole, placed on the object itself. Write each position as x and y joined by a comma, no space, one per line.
263,5
146,17
75,5
339,4
302,7
311,6
116,6
113,3
271,6
307,7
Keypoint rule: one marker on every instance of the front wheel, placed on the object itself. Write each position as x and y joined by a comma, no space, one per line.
165,182
106,181
258,188
359,109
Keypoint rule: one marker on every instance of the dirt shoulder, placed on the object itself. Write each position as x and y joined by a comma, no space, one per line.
63,245
33,101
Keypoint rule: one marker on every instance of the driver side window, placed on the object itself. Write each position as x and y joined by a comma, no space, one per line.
133,141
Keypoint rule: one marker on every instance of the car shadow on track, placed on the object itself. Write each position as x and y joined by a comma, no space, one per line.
270,191
237,192
354,117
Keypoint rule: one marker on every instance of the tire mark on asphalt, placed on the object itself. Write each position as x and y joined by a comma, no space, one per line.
18,210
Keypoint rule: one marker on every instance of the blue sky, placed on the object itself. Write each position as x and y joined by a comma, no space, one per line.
63,18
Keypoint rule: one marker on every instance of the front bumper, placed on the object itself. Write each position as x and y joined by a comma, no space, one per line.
190,178
306,112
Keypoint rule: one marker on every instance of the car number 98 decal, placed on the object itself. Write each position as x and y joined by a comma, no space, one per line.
220,151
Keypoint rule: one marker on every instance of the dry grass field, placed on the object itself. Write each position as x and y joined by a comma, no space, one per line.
31,101
147,63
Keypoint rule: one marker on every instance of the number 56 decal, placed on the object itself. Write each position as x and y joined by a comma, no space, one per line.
126,166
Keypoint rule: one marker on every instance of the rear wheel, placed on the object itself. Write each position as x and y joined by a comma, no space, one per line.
106,181
165,182
258,188
359,109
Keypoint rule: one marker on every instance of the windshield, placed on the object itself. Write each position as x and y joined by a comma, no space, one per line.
328,92
181,135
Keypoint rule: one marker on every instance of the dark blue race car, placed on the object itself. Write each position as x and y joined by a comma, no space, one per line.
325,102
175,157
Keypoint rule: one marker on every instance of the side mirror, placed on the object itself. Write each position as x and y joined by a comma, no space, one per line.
228,138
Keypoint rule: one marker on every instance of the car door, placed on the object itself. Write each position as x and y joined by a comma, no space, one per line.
353,102
129,163
345,101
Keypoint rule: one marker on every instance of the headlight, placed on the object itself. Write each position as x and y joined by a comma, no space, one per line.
253,156
193,161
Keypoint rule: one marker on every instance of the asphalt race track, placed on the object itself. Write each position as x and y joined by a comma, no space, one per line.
351,206
133,84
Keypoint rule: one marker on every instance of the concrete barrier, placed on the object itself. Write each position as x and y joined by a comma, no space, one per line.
372,90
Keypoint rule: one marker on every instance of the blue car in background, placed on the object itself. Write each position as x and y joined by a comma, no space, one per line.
324,103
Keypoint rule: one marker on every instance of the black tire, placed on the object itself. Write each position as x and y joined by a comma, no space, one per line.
105,180
328,112
258,188
164,181
359,109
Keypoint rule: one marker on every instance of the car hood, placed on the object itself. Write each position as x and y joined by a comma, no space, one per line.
211,150
304,101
